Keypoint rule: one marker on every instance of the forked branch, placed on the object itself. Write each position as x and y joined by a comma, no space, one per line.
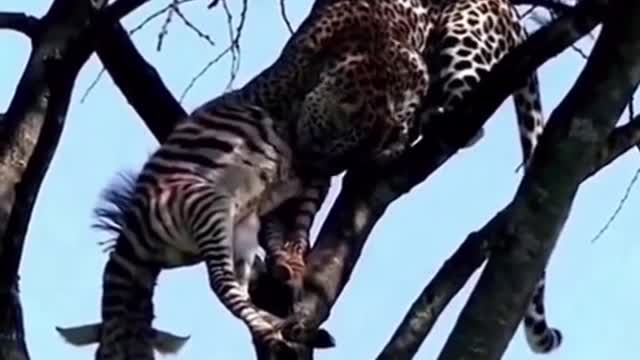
533,221
20,22
363,200
619,141
61,43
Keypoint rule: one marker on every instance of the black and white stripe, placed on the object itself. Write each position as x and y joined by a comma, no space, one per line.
286,232
198,198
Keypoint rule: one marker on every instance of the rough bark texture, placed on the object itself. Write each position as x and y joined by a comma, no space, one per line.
532,222
362,202
139,82
541,46
515,237
61,44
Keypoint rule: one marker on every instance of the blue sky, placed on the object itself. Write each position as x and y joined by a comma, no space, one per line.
591,292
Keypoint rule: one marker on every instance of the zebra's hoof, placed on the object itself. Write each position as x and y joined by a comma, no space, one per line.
323,340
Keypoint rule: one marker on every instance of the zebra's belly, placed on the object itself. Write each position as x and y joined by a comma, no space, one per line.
279,193
175,248
173,257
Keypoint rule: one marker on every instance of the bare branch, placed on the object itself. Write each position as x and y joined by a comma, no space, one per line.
618,209
156,14
285,18
139,82
363,200
528,12
164,29
534,219
556,6
580,52
174,8
435,297
203,71
233,48
20,22
619,141
234,39
191,26
622,139
453,275
91,86
133,30
30,131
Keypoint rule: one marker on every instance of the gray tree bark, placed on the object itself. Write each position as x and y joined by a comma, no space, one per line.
518,246
62,41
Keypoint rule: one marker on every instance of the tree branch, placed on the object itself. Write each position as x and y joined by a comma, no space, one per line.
31,127
532,222
619,141
120,9
456,271
435,297
139,82
145,91
364,198
20,22
553,5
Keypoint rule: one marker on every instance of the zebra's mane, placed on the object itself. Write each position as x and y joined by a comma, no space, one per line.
116,199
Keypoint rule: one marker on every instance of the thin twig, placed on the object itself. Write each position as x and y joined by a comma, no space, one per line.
580,52
542,22
131,32
631,114
233,48
551,5
203,71
93,84
283,13
194,28
164,30
527,12
619,208
156,14
234,37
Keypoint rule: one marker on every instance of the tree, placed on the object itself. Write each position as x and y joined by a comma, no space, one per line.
579,141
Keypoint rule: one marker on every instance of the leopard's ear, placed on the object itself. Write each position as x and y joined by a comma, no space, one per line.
81,335
166,343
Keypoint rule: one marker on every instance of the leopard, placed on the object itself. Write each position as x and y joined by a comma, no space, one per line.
350,79
465,39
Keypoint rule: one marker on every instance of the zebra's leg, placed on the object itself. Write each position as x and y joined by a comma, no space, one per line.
127,312
540,336
288,258
245,248
213,231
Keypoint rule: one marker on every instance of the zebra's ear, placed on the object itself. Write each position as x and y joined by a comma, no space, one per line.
166,343
81,335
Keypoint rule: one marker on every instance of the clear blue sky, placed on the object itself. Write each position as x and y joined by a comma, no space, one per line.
592,292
